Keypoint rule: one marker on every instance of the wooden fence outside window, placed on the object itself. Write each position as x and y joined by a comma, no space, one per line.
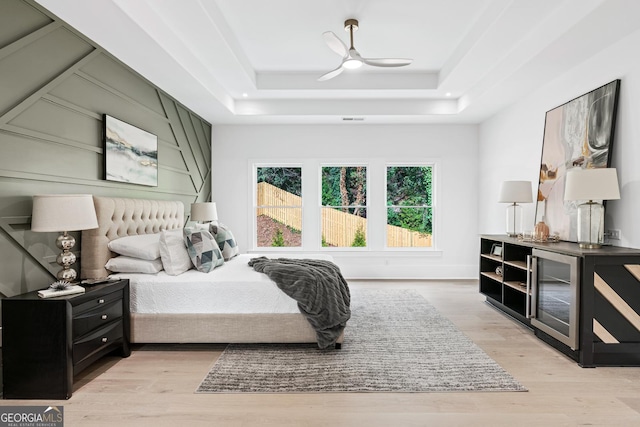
338,228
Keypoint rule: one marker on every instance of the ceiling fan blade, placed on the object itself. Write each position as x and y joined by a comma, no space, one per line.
335,43
331,74
387,62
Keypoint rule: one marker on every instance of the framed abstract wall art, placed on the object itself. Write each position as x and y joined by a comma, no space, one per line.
130,153
577,134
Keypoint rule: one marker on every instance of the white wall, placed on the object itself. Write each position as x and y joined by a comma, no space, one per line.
511,141
453,147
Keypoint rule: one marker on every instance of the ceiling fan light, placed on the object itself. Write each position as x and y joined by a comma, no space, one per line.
351,58
352,64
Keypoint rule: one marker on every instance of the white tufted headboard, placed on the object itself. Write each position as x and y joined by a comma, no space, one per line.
119,217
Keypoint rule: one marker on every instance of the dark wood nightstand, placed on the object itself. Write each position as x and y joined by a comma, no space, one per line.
47,341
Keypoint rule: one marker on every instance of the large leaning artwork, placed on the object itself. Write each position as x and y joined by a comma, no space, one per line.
577,134
130,153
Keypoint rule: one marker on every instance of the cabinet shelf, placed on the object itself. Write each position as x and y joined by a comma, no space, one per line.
492,257
517,264
518,286
508,290
492,275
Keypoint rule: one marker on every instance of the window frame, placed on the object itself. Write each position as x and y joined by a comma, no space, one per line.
366,206
434,213
254,203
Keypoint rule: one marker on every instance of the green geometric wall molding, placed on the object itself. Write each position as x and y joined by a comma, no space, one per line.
56,84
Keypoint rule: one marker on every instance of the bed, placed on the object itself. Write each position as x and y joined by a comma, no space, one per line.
242,305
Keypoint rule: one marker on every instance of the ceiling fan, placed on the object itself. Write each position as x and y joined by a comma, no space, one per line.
351,57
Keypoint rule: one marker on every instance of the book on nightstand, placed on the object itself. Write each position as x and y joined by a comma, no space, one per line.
51,293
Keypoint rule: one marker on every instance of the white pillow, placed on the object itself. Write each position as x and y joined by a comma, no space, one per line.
125,264
143,246
173,252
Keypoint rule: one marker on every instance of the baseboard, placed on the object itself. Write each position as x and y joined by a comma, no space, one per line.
410,271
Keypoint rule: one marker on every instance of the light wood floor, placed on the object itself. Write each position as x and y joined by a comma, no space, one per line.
155,386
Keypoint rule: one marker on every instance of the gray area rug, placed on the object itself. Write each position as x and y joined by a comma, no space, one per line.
395,341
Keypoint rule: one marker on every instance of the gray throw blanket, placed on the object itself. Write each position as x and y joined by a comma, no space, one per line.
318,286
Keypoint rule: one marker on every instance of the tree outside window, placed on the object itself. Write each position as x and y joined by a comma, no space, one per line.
409,206
344,206
279,206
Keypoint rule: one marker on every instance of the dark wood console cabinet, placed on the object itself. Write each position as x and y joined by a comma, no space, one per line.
604,304
46,342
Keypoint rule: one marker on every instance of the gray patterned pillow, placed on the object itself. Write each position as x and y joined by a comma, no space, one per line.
203,250
226,241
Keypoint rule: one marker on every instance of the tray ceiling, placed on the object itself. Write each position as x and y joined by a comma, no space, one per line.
256,61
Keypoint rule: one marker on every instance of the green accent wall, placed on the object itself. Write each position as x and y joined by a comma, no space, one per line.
55,85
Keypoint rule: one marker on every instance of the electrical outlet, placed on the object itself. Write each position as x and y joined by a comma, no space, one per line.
614,234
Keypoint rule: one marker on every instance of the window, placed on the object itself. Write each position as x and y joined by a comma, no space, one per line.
409,206
344,206
278,206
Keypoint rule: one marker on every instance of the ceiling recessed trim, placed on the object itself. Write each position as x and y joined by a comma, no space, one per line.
348,80
346,107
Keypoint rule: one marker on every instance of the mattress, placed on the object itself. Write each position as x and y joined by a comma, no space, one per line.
233,287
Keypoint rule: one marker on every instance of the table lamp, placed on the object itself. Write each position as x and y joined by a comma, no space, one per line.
515,192
63,213
592,185
205,212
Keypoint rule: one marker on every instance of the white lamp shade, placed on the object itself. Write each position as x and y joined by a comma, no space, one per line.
63,212
515,192
591,184
206,211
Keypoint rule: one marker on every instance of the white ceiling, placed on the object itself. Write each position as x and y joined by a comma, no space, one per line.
471,58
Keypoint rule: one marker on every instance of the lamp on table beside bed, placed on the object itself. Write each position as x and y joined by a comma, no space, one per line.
205,212
64,213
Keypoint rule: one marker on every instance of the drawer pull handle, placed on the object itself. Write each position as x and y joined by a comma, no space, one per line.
103,317
100,301
104,339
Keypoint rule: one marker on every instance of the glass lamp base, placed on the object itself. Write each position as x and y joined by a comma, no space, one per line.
590,225
514,220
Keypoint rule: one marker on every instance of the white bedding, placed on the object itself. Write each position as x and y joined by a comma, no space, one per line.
233,287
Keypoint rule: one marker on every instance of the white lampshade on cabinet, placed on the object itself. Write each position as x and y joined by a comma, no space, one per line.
515,192
592,186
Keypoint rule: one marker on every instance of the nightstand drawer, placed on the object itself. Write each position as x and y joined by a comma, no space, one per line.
96,318
100,301
97,340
